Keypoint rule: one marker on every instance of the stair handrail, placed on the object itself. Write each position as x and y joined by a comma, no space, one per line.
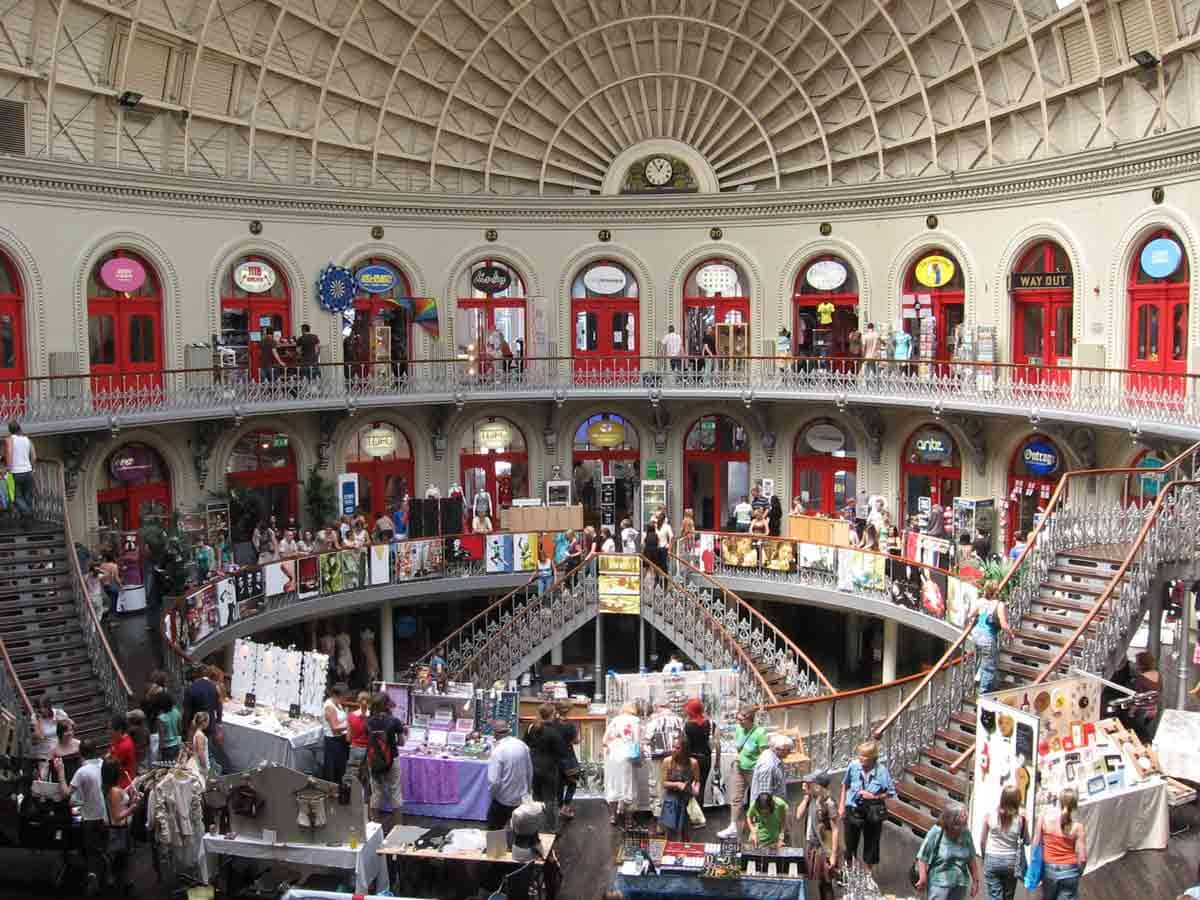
1057,499
767,627
22,727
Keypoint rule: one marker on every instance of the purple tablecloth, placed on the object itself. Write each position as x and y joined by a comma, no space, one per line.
445,788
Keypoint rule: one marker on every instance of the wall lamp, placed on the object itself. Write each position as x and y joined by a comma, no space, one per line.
129,99
1145,59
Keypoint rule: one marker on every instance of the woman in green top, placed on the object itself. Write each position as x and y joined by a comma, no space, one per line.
170,721
749,740
946,860
766,819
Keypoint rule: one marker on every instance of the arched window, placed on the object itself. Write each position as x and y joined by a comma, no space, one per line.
716,463
1043,291
932,306
262,479
716,312
495,467
605,446
379,453
1159,279
931,471
489,323
377,329
825,311
254,299
1033,473
824,469
124,324
12,329
604,318
135,490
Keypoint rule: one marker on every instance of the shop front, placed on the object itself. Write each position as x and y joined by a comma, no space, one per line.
124,325
604,319
377,328
495,468
380,454
1159,281
1033,474
716,311
12,330
604,465
135,490
825,309
1043,291
716,462
263,483
824,469
489,321
931,472
254,298
932,305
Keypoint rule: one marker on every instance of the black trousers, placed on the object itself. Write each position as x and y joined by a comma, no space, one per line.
95,849
337,754
498,815
705,763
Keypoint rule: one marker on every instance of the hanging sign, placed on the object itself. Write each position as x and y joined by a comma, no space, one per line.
1161,257
131,463
604,279
121,273
493,436
335,288
376,279
825,437
491,280
379,442
717,278
933,446
826,275
606,433
254,277
935,271
1040,458
1041,281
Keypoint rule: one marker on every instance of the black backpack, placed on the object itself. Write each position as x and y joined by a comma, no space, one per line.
379,753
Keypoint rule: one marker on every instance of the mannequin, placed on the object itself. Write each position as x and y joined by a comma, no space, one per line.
482,503
433,492
327,644
369,657
345,659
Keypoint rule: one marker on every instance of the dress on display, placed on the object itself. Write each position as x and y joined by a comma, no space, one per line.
345,658
369,656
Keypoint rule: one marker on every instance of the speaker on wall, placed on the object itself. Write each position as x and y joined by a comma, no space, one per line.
416,516
452,515
429,519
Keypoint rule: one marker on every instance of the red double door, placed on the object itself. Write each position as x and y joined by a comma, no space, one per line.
1042,336
125,344
604,335
1158,332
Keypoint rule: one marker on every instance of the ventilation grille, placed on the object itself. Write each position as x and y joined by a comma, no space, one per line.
12,128
1140,29
1081,62
214,84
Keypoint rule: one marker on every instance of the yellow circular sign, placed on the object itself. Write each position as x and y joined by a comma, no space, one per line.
606,433
379,442
494,436
935,271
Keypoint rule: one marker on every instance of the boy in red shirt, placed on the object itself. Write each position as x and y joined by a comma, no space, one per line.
122,750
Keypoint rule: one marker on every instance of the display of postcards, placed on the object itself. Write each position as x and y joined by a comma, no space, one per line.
443,716
456,739
1096,785
381,563
417,734
308,576
467,725
499,553
352,569
421,719
331,573
438,737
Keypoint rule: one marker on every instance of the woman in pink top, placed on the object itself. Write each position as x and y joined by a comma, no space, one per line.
1064,849
356,728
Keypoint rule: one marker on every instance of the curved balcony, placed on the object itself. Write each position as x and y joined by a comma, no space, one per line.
1166,405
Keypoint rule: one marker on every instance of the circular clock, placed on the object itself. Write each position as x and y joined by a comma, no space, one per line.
658,170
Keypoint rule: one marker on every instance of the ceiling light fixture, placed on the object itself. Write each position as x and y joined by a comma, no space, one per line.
1145,59
129,99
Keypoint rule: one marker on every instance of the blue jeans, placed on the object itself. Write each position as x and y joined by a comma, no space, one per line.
23,499
946,892
987,648
1060,882
1000,878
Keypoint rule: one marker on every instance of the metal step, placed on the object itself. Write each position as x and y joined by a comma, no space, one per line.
38,661
954,738
920,797
950,784
904,815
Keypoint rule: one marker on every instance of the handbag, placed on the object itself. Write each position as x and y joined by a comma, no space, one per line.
914,871
633,750
1033,873
696,814
874,811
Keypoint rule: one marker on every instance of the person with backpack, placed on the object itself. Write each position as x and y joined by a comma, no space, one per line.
385,737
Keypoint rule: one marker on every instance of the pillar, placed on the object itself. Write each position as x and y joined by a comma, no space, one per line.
556,654
891,649
1183,640
599,671
387,659
641,644
1155,613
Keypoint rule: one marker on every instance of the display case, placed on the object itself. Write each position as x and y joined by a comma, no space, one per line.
733,345
972,514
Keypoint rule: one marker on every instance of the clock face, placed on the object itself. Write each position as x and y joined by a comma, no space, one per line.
658,171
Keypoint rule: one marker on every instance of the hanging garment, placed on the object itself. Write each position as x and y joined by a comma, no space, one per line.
369,656
345,658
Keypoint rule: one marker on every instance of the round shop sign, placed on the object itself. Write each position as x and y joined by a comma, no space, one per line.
493,436
717,278
604,279
491,279
379,442
935,271
376,279
826,275
131,463
1150,483
933,446
254,277
825,438
1040,458
1161,257
606,433
123,274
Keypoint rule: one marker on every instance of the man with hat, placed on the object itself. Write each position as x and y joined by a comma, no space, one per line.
510,775
818,819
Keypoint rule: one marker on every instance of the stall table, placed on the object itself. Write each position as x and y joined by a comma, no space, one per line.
1132,818
397,846
262,736
690,886
445,788
1175,744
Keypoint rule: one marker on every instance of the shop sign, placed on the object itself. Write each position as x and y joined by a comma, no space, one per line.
279,441
606,433
1161,257
254,277
825,438
1041,281
1040,458
348,493
935,271
379,442
717,278
933,446
604,280
826,275
123,274
493,436
492,280
376,279
132,463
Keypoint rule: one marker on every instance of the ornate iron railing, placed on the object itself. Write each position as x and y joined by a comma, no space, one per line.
81,402
14,700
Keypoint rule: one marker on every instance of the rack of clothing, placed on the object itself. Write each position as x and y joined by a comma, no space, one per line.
175,819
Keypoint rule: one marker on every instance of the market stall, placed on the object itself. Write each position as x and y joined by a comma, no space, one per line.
425,854
259,735
650,868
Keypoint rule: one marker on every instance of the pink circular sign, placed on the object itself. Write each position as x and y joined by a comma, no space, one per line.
123,274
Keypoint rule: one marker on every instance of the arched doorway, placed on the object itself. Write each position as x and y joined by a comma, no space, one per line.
494,461
377,328
262,480
489,321
931,472
1159,280
381,456
716,305
1043,291
12,330
605,446
716,463
604,318
932,306
825,308
254,297
1033,474
135,490
124,324
824,469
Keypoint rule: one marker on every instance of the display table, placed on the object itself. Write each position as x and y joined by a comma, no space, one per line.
1133,818
396,847
1176,743
305,894
688,886
263,737
445,788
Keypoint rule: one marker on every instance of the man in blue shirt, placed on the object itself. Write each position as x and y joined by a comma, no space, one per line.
510,775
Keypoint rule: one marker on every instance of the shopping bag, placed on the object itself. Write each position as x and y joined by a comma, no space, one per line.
1033,872
696,814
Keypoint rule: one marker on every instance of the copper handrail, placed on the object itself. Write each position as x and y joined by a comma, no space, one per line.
12,673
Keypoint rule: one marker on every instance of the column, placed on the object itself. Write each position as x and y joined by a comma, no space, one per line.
641,644
556,654
387,659
599,671
1183,642
891,648
1155,614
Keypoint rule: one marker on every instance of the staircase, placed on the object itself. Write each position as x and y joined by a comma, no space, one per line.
53,645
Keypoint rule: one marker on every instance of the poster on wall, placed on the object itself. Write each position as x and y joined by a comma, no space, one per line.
858,571
818,557
426,558
739,551
960,597
381,563
308,577
464,548
227,608
249,586
202,613
620,584
933,593
525,551
331,573
779,556
705,551
562,546
1005,753
280,580
354,569
499,553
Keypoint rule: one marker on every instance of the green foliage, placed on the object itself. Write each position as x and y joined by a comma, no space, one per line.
320,499
994,571
169,549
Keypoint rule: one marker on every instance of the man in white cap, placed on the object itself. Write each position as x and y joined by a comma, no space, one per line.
510,775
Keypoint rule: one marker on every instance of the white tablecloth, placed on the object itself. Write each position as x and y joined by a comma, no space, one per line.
1177,744
1133,818
256,738
370,869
